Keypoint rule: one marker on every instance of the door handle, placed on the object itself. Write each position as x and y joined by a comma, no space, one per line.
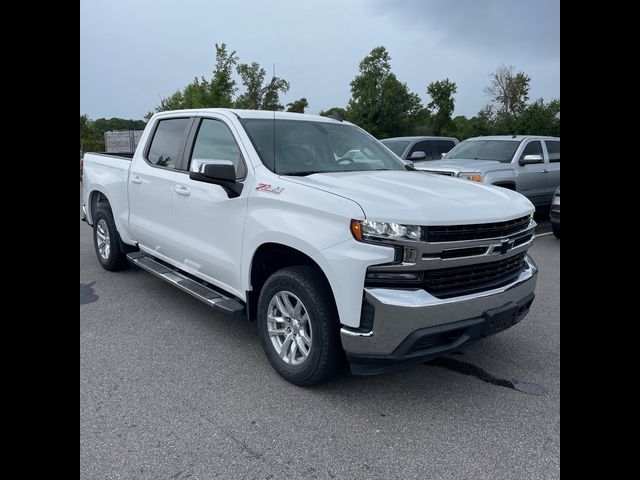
135,179
184,191
544,170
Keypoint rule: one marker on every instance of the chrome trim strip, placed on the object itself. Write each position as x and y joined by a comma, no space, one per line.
356,334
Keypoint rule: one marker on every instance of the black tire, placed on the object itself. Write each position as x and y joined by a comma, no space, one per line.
326,355
117,259
556,231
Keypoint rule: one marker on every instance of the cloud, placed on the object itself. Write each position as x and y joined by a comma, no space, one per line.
484,26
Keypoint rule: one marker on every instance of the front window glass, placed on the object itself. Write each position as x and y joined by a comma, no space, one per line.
498,150
307,147
396,146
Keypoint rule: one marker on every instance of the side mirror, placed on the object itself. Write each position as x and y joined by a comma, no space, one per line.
443,154
531,159
409,162
219,172
417,155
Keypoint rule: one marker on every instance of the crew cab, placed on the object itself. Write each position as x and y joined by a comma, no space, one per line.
313,229
527,164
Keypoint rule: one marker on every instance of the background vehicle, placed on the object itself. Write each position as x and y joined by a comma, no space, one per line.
554,213
310,226
409,148
527,164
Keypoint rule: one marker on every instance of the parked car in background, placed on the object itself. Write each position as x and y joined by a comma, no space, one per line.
527,164
554,213
420,149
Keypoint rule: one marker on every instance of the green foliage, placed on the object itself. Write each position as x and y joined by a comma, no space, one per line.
379,102
92,131
252,76
539,118
271,94
441,93
298,106
202,93
340,111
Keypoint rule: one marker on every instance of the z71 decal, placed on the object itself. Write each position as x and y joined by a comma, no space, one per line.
265,187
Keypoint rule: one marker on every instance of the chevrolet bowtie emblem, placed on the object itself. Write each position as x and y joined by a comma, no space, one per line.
505,247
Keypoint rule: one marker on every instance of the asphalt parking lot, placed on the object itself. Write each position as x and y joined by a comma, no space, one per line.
169,390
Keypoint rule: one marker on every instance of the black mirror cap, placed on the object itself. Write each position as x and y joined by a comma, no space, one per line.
215,173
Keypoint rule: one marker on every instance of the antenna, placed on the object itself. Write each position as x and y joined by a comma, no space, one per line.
275,170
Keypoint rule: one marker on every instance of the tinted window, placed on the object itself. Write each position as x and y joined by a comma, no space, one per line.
396,146
422,147
499,150
307,147
163,151
443,146
553,149
532,148
215,142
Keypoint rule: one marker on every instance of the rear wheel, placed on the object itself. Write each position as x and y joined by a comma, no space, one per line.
298,326
106,241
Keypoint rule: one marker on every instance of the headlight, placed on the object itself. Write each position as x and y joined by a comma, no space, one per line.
476,177
372,230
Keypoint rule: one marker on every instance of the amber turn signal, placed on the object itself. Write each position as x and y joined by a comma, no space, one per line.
356,229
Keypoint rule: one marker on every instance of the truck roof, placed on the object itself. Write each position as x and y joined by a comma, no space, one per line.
515,138
264,114
420,137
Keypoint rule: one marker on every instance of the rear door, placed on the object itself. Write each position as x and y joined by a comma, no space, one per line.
553,165
152,179
532,179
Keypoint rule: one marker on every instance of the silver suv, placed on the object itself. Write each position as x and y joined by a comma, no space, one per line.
528,164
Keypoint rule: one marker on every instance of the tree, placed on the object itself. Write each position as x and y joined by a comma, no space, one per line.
298,106
252,76
271,94
379,102
222,87
509,90
256,96
441,93
201,93
335,110
539,118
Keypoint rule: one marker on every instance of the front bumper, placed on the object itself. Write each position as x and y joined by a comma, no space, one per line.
412,326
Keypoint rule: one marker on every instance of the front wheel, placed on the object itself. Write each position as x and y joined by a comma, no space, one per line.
298,326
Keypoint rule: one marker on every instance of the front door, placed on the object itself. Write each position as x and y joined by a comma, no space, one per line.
210,223
532,178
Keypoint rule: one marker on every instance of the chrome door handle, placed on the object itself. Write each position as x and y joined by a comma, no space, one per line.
184,191
136,179
544,170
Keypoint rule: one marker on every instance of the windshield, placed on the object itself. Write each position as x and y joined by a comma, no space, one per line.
396,146
307,147
499,150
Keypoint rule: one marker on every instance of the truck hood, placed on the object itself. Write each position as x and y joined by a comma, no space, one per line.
461,165
421,198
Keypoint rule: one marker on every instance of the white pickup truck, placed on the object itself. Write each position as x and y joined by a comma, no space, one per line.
263,215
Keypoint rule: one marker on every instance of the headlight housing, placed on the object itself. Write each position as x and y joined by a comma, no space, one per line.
370,230
474,176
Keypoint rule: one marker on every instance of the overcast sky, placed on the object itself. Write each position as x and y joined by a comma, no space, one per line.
134,52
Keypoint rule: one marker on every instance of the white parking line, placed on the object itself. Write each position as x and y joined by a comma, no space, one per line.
543,234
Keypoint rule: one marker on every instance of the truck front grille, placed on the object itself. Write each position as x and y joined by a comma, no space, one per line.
468,279
452,233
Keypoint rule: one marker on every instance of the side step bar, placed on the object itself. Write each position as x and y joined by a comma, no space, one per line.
211,297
